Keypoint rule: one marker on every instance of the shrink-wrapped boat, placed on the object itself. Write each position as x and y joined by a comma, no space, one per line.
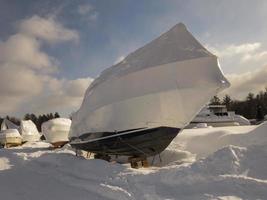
10,138
137,107
29,131
56,131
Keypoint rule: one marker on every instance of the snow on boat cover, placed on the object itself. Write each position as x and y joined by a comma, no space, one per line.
158,89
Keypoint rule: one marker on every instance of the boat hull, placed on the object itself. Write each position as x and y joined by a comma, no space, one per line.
140,143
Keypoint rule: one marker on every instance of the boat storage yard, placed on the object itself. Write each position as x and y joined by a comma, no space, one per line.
203,163
135,109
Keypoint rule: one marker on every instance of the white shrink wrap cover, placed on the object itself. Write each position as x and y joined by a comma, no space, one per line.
164,83
56,130
29,131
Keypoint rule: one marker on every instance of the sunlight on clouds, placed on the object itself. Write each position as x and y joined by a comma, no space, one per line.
232,49
24,50
47,29
67,96
249,57
27,80
258,56
248,52
242,84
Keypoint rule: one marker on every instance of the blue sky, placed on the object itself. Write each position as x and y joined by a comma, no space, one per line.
120,26
107,30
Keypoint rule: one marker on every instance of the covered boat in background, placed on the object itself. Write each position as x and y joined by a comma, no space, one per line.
136,107
7,124
56,131
29,131
10,138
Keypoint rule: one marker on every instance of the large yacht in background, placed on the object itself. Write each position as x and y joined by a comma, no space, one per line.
136,107
217,116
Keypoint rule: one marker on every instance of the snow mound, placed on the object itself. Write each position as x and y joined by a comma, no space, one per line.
4,163
236,160
206,141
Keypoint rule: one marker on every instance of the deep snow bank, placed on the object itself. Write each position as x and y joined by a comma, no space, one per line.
204,141
232,172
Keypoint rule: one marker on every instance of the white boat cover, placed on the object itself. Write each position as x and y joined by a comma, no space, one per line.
7,124
164,83
56,130
9,133
29,131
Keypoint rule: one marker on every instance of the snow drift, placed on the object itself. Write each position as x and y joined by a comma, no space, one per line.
204,141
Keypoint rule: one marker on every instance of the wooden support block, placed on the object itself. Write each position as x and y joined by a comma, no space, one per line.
138,162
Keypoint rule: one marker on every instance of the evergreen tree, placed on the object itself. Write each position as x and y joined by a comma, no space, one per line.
215,101
259,115
1,120
56,115
227,101
27,116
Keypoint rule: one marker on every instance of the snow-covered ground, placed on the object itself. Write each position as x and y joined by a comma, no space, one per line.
228,163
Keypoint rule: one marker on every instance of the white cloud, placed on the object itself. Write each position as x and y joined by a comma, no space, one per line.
242,84
233,49
255,57
24,50
47,29
27,81
87,12
85,9
240,57
64,96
